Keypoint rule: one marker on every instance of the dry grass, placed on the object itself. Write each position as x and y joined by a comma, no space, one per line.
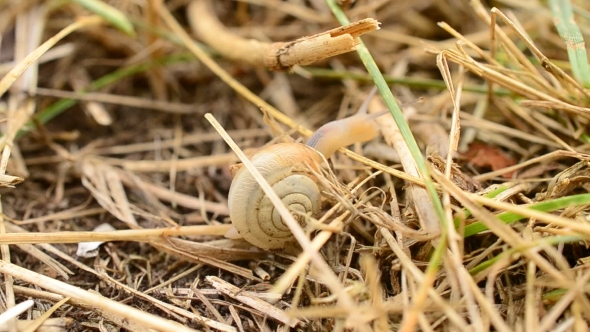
103,122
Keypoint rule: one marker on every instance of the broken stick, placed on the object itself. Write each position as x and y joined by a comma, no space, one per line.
279,55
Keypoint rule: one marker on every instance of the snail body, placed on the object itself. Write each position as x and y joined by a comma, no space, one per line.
336,134
287,168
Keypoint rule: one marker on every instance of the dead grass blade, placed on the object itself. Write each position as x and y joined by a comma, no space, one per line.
139,235
244,297
174,309
141,103
13,74
45,316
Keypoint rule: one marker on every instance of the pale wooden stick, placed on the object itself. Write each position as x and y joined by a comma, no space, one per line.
181,312
137,235
392,135
280,55
53,54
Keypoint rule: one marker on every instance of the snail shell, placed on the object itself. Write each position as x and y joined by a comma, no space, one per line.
284,167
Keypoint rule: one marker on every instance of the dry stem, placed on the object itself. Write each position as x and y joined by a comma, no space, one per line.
280,55
138,235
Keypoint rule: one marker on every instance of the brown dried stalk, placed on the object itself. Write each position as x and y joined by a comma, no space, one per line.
279,55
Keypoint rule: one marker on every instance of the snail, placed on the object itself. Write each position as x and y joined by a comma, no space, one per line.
285,167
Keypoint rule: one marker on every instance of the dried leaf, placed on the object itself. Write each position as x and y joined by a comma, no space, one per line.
483,155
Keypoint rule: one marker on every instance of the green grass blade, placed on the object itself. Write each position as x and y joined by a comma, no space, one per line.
551,240
546,206
563,17
466,213
390,102
397,114
418,83
109,13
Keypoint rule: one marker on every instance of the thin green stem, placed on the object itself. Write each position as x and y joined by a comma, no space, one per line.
397,114
552,240
563,17
419,83
546,206
111,14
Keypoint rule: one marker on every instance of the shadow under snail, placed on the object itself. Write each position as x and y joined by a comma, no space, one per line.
283,166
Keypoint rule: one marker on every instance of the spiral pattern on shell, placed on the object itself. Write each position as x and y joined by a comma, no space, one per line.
252,213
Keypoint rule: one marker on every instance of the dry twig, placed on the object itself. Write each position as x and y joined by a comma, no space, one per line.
275,56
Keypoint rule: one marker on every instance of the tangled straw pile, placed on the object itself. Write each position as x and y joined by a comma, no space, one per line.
468,214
